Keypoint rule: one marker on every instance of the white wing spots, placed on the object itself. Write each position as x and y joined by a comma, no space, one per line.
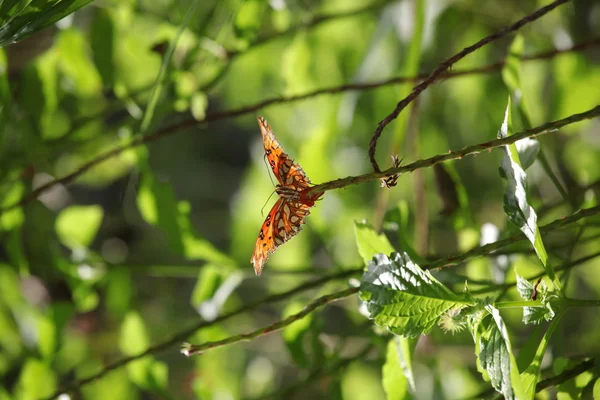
286,209
281,224
294,219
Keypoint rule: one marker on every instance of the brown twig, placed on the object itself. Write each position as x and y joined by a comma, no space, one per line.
458,154
184,334
315,20
181,126
193,349
490,248
444,66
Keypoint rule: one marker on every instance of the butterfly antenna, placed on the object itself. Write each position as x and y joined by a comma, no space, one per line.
264,205
268,168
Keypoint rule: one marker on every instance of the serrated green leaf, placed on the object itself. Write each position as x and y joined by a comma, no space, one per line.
294,333
76,226
496,357
402,297
517,208
535,315
370,242
397,377
19,20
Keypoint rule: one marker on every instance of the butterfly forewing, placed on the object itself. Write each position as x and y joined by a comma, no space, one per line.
287,172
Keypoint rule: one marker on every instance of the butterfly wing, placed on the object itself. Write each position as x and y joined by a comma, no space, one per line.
287,172
283,222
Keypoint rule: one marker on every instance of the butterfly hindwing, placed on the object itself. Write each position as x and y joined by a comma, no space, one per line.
283,222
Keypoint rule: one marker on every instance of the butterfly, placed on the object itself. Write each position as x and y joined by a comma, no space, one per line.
287,215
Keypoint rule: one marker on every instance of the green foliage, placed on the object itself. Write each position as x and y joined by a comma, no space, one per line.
402,297
120,239
496,357
517,208
77,226
22,18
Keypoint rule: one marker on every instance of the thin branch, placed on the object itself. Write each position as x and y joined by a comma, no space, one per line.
184,334
314,21
566,375
444,66
336,184
192,349
564,267
211,117
453,155
548,382
490,248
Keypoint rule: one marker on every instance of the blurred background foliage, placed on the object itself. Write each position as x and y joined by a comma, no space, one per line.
159,236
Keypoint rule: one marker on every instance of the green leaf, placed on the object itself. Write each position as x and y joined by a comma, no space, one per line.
37,380
159,206
134,338
530,376
198,106
209,279
119,291
102,38
14,218
535,315
370,242
397,377
249,17
517,208
76,226
294,333
19,19
402,297
166,62
496,357
75,63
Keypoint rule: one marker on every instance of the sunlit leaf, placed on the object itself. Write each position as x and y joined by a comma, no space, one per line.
37,380
535,315
530,375
19,19
76,226
517,208
496,357
402,297
370,242
397,377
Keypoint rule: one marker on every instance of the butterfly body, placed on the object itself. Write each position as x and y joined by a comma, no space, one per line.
295,199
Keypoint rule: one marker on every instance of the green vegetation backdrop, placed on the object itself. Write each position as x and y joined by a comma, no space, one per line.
132,186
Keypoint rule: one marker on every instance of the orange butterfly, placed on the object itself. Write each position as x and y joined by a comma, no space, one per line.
287,215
